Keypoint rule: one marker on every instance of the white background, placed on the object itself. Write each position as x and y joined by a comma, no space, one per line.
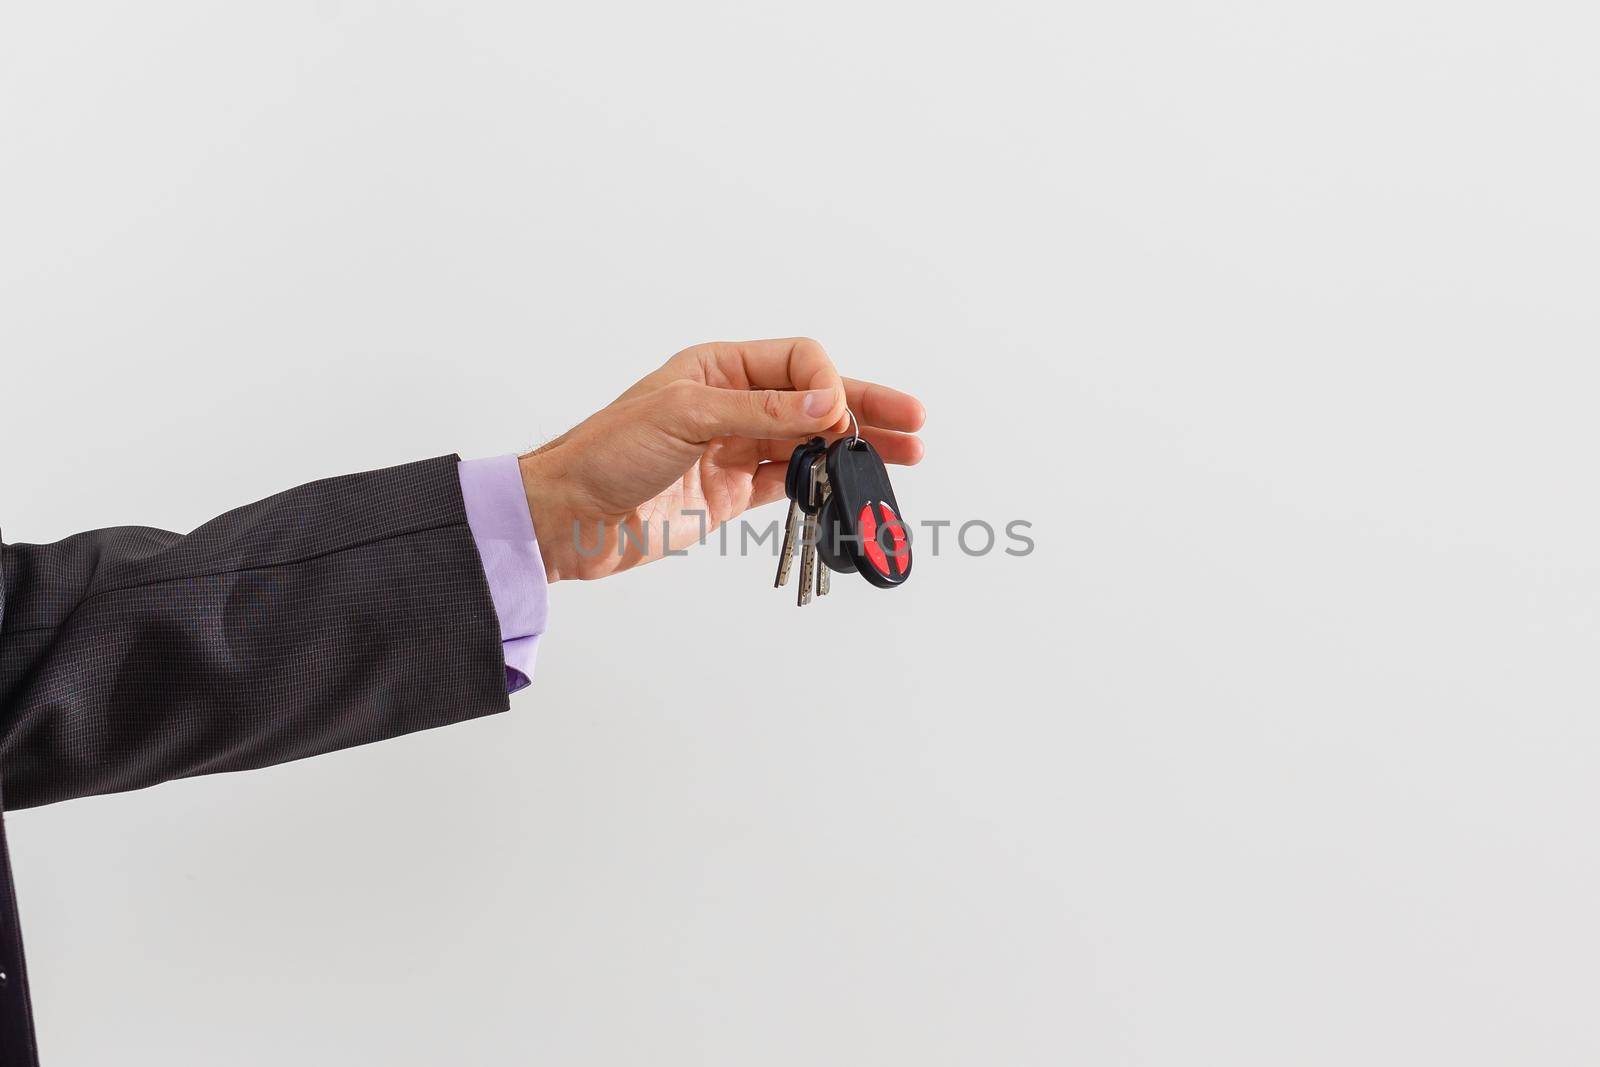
1277,320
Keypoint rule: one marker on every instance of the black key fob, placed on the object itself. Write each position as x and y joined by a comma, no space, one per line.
794,480
862,527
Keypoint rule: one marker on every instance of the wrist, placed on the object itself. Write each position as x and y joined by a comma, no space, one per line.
552,521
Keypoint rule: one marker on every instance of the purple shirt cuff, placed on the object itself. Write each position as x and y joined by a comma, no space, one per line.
497,512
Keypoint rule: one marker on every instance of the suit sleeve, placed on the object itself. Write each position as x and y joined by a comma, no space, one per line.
342,612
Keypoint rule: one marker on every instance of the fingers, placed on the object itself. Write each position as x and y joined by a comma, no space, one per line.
767,485
697,413
765,368
888,418
903,449
878,405
779,363
801,363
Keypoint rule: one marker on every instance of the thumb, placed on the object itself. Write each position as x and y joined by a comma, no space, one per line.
700,412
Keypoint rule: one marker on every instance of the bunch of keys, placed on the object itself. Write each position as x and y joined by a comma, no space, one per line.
842,517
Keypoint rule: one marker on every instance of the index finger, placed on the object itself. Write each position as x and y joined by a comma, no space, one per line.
878,405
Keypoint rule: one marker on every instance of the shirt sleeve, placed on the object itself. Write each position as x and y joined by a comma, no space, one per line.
497,514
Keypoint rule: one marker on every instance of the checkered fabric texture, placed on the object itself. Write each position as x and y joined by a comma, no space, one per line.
342,612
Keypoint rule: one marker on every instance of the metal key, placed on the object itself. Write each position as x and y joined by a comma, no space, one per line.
815,490
820,502
791,529
795,480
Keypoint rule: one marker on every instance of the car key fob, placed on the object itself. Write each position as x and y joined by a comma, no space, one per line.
862,529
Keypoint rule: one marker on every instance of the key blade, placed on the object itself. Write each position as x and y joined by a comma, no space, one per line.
808,562
791,527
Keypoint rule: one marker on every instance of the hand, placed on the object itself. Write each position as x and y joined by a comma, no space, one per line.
693,445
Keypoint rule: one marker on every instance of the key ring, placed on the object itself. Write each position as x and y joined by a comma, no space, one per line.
855,438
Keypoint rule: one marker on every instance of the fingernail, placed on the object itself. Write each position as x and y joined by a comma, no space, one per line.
819,402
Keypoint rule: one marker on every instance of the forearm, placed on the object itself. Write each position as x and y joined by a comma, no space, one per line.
342,612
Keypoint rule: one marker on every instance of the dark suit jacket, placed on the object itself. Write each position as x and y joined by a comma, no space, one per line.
345,611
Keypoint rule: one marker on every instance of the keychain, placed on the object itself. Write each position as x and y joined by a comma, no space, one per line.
843,516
